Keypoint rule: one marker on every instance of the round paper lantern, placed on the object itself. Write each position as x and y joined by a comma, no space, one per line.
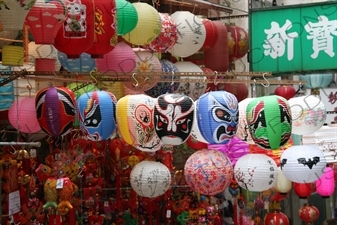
55,110
303,190
269,121
122,59
195,133
12,55
146,62
164,87
308,114
82,64
208,172
43,64
148,26
308,213
325,185
238,44
192,34
240,90
282,185
255,172
150,179
45,19
285,91
242,131
105,28
191,89
314,81
96,114
168,35
135,122
212,34
43,51
76,35
303,163
127,17
276,218
217,115
173,118
22,115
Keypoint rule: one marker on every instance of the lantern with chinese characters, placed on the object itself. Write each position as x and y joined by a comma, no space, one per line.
282,185
76,36
208,171
276,218
243,131
325,185
303,190
45,19
269,121
238,44
285,91
148,26
192,34
308,114
96,114
173,118
212,34
303,163
240,90
316,81
127,17
82,64
22,115
135,122
55,110
308,214
150,179
217,116
255,172
105,37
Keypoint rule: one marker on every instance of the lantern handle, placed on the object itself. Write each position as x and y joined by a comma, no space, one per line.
264,77
134,78
215,81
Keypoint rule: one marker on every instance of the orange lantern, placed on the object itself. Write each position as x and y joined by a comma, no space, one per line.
238,45
285,91
308,213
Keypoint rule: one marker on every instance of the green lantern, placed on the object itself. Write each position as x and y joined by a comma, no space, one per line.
269,121
127,17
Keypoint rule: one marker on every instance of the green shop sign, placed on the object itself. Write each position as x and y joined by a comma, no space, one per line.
294,39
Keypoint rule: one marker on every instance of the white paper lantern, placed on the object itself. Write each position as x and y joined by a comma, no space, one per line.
303,163
282,185
150,179
255,172
191,34
242,131
308,114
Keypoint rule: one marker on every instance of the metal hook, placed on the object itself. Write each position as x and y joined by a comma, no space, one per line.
134,78
254,89
216,82
172,78
29,87
13,150
93,77
264,77
3,137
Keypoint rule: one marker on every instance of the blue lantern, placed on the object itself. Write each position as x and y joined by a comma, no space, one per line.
83,64
315,81
96,114
217,115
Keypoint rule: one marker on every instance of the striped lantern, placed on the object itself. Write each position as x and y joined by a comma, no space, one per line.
12,55
96,114
196,133
55,110
127,17
83,64
135,122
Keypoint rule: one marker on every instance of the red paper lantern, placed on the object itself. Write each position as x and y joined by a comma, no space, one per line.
238,44
45,19
308,213
240,90
195,144
212,34
76,36
303,190
105,37
276,218
45,64
285,91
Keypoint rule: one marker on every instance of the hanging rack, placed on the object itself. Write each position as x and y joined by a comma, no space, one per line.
12,143
200,3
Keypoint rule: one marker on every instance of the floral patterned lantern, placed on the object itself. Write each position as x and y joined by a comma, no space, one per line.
308,214
150,179
127,17
45,19
212,34
238,44
325,185
208,172
240,90
308,114
303,190
82,64
285,91
242,131
276,218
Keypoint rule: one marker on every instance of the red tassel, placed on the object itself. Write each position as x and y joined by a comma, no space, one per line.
54,219
235,211
72,217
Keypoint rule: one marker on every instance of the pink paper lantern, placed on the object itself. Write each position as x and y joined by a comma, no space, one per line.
325,185
22,115
208,172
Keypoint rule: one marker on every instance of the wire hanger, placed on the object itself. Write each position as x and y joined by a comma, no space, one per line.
135,80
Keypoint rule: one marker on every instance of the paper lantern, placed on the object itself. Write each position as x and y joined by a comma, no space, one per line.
314,81
105,37
22,115
146,63
165,87
55,110
303,190
282,185
308,213
45,19
150,179
276,218
127,17
195,144
191,89
303,163
238,44
96,114
122,59
148,26
135,122
285,91
43,51
269,121
212,34
12,55
242,131
216,58
217,116
196,133
76,36
325,185
173,118
192,34
308,114
167,37
42,64
240,90
83,64
255,172
208,172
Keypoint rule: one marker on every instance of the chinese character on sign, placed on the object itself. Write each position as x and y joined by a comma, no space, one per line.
321,35
278,40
